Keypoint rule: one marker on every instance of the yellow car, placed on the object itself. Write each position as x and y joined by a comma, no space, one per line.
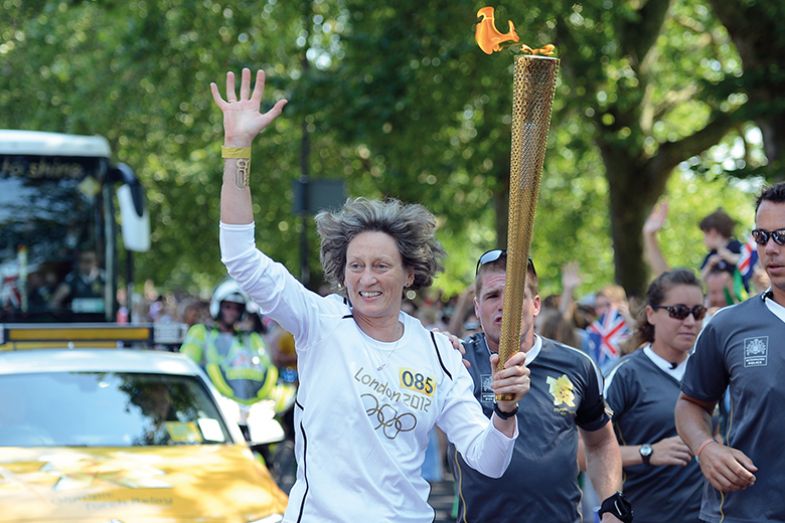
122,436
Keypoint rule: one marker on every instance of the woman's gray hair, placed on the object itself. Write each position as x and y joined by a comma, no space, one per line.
412,227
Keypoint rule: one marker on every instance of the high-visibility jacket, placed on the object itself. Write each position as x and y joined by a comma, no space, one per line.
242,372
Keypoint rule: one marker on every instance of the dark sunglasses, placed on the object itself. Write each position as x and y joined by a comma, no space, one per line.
761,236
681,311
495,254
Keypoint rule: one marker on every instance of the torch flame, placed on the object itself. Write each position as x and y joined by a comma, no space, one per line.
490,39
487,36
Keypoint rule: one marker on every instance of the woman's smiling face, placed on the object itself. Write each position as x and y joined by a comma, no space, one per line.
375,276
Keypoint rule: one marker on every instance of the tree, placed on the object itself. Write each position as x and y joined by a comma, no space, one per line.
758,30
642,75
138,73
629,79
397,100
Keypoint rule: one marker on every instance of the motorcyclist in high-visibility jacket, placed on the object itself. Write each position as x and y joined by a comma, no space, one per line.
237,362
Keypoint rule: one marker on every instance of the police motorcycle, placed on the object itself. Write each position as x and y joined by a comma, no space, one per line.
234,356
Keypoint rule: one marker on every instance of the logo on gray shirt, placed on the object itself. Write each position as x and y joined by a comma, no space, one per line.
486,392
756,351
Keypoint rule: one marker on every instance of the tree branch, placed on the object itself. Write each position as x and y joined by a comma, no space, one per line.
673,99
748,26
639,35
670,154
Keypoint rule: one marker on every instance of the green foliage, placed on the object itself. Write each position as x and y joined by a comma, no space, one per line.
138,73
398,102
690,198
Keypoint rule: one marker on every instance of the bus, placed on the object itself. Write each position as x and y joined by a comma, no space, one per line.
60,199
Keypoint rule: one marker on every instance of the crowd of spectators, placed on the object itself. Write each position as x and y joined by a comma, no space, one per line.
601,323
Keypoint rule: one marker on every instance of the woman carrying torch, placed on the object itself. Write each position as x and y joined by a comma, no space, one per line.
374,381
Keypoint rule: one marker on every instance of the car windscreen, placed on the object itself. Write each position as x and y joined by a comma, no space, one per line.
107,409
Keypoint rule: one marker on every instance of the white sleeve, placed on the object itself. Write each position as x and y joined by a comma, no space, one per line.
278,294
482,446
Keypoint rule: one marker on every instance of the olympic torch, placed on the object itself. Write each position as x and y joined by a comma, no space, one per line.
534,85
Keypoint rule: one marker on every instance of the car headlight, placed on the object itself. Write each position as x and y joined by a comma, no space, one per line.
274,518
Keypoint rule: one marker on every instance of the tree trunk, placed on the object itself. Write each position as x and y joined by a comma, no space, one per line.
636,182
628,212
631,198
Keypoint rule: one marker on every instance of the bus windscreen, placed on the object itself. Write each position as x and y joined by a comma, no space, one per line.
51,238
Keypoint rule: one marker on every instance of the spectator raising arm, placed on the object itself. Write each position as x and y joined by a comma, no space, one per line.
651,244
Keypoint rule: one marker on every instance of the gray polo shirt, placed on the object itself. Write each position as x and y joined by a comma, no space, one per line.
642,397
744,347
541,482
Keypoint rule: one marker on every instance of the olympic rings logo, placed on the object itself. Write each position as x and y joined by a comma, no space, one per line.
388,418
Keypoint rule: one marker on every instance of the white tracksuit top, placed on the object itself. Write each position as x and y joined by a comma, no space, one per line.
364,408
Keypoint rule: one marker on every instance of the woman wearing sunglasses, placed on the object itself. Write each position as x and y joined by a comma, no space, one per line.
662,481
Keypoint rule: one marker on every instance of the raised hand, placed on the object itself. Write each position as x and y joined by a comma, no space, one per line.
242,118
656,219
571,275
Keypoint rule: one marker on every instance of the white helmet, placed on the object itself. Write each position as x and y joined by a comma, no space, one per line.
227,291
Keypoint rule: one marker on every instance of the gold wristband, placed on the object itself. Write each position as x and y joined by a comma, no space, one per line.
236,152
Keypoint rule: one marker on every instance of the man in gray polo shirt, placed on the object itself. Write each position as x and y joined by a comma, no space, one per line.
566,393
742,348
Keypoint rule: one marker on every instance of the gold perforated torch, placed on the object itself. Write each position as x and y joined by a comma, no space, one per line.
533,88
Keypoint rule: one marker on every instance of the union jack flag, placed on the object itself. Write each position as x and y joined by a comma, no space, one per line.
605,337
747,261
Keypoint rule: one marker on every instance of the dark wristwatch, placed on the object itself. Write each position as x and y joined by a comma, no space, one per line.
502,414
618,506
646,451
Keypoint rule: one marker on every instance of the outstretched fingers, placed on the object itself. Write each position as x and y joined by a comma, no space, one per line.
245,84
258,88
277,109
217,98
242,117
231,95
245,88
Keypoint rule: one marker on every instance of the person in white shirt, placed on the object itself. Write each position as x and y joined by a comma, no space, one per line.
373,380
